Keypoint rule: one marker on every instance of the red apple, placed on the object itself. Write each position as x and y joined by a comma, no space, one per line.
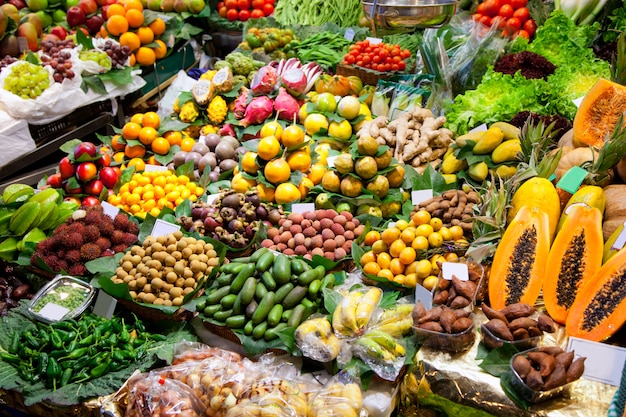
88,6
20,4
75,16
59,31
66,168
72,189
85,148
93,187
94,23
104,160
55,180
90,201
103,11
86,171
108,176
101,2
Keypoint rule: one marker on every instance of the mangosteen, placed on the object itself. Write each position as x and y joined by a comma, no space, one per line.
212,140
214,176
249,232
198,212
233,201
253,198
274,216
179,158
228,214
228,164
261,212
233,142
195,157
201,148
210,224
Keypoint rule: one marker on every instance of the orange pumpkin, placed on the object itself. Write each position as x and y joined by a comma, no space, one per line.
337,85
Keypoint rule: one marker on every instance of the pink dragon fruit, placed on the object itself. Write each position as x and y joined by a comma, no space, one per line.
227,130
259,109
295,81
240,103
264,81
286,105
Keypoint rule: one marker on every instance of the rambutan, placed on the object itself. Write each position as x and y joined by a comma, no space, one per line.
107,252
71,240
132,227
77,269
92,233
117,237
119,248
77,227
62,229
121,221
129,238
52,261
90,251
103,243
63,265
106,227
44,245
72,256
93,217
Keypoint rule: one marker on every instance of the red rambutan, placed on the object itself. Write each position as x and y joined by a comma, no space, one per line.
120,222
52,261
71,240
132,227
92,233
119,248
117,237
107,252
44,245
90,251
103,243
62,229
77,269
77,227
63,265
93,217
129,238
106,227
72,256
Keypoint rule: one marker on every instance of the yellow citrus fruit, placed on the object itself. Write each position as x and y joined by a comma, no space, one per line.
445,233
410,280
402,224
424,268
117,24
299,161
151,119
371,268
130,130
407,255
286,193
399,279
132,59
248,163
173,137
390,235
379,246
325,102
145,56
456,232
119,156
292,135
451,257
304,187
349,107
138,163
411,268
371,237
266,193
277,171
435,240
436,223
272,128
368,256
396,247
145,35
340,130
315,122
157,26
302,113
386,273
147,135
430,282
268,147
424,230
132,4
317,173
134,18
241,184
407,235
383,259
116,9
420,243
421,217
160,146
186,144
131,40
396,267
436,261
365,110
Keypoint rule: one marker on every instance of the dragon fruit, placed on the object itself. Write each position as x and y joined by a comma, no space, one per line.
259,109
264,81
295,81
286,105
227,130
240,103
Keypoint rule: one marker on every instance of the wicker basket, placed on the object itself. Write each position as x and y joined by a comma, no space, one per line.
368,76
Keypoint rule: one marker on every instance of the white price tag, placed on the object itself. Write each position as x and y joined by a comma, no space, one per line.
374,41
454,268
330,161
104,305
210,198
109,209
349,35
417,196
53,311
155,168
161,227
578,101
621,239
423,295
391,224
479,128
302,207
604,362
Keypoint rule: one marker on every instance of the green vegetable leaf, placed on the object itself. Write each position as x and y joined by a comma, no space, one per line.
497,361
122,76
94,83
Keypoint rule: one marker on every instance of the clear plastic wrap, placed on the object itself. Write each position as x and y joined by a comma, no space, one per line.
354,312
340,396
193,351
316,340
153,395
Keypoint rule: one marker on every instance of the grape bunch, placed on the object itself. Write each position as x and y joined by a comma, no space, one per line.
60,63
6,61
52,47
118,54
27,80
98,56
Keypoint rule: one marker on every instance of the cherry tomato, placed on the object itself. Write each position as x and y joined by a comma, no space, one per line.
272,2
350,59
522,14
243,4
530,27
219,5
244,15
402,65
230,4
519,3
481,8
498,22
395,67
521,33
506,11
256,14
268,9
512,25
257,4
492,7
406,53
223,11
485,20
232,15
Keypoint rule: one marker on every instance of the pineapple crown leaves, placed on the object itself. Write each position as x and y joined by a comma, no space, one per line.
537,140
618,64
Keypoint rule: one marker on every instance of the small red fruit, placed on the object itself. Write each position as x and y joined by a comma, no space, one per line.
59,31
72,189
86,171
88,6
75,16
108,176
55,180
93,187
66,168
268,9
104,161
73,200
85,148
90,201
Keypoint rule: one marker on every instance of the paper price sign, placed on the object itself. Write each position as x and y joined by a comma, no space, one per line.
161,228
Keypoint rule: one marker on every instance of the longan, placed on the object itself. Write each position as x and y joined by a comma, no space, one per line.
162,239
177,255
159,302
188,290
117,280
127,266
156,247
149,298
120,273
187,252
136,259
157,283
171,277
190,282
211,253
154,273
147,288
127,257
180,281
137,250
188,273
149,240
167,303
177,301
142,281
167,287
213,262
132,284
181,244
133,294
193,257
164,295
178,235
169,260
175,292
179,268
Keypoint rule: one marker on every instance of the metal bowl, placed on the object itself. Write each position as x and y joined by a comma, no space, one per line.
408,15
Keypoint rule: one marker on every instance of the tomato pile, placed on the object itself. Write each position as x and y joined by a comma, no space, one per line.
511,16
245,9
381,57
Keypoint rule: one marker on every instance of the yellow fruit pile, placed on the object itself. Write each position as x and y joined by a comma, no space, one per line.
401,253
151,191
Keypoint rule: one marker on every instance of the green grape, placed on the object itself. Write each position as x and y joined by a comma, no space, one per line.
27,80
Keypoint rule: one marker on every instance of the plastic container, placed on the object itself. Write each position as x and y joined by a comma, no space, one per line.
447,342
492,341
530,394
479,282
63,298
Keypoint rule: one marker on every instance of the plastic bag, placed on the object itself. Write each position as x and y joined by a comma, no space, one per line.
380,351
316,340
153,395
340,396
357,308
193,351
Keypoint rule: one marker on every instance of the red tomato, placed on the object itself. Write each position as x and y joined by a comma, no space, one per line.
512,25
530,27
492,7
519,3
232,15
219,5
268,9
243,4
350,59
244,15
257,4
506,11
522,14
485,20
223,11
395,67
521,33
498,22
405,53
256,14
402,65
230,4
272,2
481,8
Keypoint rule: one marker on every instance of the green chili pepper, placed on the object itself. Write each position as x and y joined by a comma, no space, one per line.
87,341
69,337
44,337
72,346
57,353
159,337
15,343
10,358
118,356
64,325
31,340
55,339
100,369
54,369
66,376
26,373
27,353
139,324
77,353
43,363
112,341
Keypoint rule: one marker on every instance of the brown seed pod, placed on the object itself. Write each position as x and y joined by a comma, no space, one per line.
431,315
545,362
576,369
556,378
433,326
565,359
521,365
440,297
492,313
534,379
520,334
546,324
465,288
461,324
459,302
499,329
517,310
522,323
447,319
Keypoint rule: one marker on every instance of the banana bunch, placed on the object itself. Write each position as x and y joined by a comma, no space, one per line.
315,338
355,311
337,400
494,150
397,321
272,397
379,347
26,216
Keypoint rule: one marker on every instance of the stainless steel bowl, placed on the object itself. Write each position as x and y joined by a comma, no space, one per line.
408,15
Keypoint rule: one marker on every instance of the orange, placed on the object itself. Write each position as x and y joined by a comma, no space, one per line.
299,161
317,173
137,151
383,259
241,184
135,18
407,255
173,137
396,247
248,163
456,232
161,50
145,35
401,224
399,279
147,135
151,119
371,268
152,160
117,24
145,56
424,268
371,237
138,163
157,26
136,118
266,193
445,233
379,246
407,235
421,217
131,40
115,143
420,243
277,171
132,60
187,143
133,4
271,128
368,256
119,156
385,273
390,235
396,266
451,257
292,135
411,268
130,130
436,261
304,187
424,230
435,240
410,280
286,193
160,146
116,9
436,223
268,147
